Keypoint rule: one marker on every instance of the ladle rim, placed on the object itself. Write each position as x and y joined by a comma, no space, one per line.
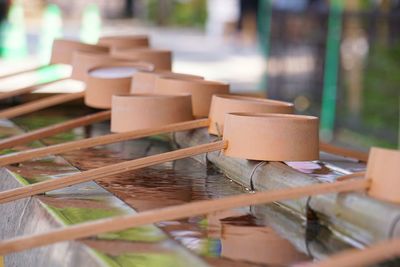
133,36
254,99
133,64
196,81
143,49
157,95
275,116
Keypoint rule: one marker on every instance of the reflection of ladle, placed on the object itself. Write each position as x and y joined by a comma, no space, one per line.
381,181
127,118
62,53
85,120
258,244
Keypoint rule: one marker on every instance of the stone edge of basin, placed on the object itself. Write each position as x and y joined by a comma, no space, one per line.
353,215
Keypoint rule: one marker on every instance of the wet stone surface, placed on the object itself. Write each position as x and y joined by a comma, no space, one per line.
240,237
230,237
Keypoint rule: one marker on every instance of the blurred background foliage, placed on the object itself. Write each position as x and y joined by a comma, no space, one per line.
289,37
381,91
178,13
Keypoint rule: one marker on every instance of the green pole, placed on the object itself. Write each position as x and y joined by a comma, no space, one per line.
51,29
91,24
331,70
14,44
264,29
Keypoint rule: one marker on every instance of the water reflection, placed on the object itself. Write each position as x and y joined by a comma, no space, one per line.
228,238
239,236
233,236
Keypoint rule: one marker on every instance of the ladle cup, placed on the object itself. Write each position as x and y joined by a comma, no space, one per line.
62,53
128,116
199,89
82,57
113,42
144,82
82,121
161,59
150,56
81,63
124,41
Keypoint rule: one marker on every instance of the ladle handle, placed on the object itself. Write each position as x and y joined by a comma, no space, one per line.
345,152
374,254
39,104
102,172
25,90
99,140
32,69
176,212
54,129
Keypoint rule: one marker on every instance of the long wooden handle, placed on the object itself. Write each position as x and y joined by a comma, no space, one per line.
24,90
23,71
101,172
39,104
81,144
175,213
99,140
374,254
54,129
345,152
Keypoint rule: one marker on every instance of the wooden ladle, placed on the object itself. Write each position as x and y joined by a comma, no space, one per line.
81,63
201,91
124,41
161,59
113,42
127,117
88,119
381,181
287,137
169,85
62,53
82,57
